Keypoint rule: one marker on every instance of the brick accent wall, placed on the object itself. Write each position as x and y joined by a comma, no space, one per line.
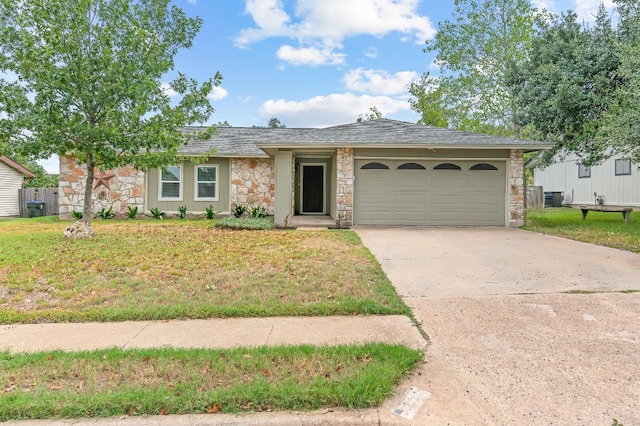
253,183
517,208
125,188
344,185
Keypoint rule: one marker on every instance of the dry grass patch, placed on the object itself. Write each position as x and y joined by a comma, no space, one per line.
134,270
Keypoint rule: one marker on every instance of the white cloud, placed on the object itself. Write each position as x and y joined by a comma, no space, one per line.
327,23
371,52
192,1
549,5
378,81
218,93
309,56
168,90
323,111
587,9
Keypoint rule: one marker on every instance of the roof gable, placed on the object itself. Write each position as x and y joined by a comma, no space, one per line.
16,166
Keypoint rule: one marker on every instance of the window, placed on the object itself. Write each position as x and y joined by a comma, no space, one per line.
171,183
623,167
483,166
206,182
584,171
374,166
411,166
447,166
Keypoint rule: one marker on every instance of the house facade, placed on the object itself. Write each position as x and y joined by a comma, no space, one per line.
12,177
615,182
381,172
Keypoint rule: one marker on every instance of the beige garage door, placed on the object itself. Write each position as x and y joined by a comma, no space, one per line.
421,192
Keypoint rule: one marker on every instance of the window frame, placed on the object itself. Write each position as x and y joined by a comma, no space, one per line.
180,184
216,182
584,172
626,164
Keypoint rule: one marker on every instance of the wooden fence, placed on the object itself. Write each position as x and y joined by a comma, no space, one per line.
535,197
48,195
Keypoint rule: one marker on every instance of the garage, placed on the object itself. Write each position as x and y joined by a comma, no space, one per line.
434,192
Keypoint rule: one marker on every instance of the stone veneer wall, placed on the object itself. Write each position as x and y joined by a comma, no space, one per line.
126,188
344,185
253,183
517,208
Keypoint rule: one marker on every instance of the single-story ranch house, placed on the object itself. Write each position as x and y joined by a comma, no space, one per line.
380,172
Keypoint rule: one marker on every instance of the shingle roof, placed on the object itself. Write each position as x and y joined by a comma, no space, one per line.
383,132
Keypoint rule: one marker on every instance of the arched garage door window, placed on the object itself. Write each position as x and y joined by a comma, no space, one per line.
447,166
483,166
374,166
411,166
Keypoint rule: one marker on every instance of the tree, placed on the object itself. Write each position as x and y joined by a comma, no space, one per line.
224,123
568,84
274,123
374,114
427,100
479,52
621,125
89,82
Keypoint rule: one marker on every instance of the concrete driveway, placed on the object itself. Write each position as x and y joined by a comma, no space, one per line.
508,343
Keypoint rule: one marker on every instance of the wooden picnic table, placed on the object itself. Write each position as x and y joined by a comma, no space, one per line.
626,211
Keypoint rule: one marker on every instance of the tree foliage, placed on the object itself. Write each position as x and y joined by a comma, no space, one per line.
88,82
621,126
568,84
374,114
479,52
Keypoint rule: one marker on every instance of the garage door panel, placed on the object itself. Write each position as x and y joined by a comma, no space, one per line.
430,197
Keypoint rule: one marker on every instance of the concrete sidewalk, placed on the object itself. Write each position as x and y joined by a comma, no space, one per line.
212,333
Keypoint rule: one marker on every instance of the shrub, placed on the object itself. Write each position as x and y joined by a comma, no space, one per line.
157,213
232,222
209,212
182,212
76,215
238,211
258,212
132,212
105,214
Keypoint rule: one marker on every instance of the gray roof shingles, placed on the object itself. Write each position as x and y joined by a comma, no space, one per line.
246,141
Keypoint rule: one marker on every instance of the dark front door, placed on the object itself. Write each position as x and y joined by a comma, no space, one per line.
312,189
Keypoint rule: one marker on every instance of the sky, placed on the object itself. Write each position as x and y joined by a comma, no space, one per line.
316,63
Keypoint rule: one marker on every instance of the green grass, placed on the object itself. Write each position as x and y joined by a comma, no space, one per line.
153,270
231,222
606,229
167,381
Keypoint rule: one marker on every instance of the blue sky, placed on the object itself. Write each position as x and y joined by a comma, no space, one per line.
317,63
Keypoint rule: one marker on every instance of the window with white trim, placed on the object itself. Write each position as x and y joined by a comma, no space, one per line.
206,181
171,183
623,167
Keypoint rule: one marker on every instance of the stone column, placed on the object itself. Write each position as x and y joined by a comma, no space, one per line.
517,208
344,186
253,183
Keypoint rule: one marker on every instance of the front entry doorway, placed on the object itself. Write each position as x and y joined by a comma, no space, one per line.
313,189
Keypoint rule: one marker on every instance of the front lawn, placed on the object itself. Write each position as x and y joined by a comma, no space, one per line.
118,382
605,229
151,270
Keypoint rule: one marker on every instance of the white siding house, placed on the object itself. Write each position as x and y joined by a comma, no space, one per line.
616,182
12,176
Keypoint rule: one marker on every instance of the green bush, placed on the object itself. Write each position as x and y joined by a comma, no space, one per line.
132,212
238,211
182,212
106,213
232,222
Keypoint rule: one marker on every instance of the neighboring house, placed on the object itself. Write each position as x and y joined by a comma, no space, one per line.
615,182
381,172
12,177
